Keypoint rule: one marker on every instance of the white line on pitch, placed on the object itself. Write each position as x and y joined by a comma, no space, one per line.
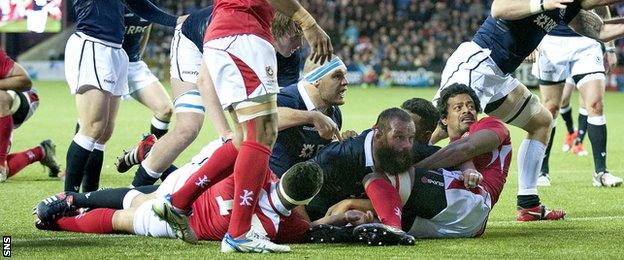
67,238
566,219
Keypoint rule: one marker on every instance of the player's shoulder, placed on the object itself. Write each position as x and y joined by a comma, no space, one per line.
345,150
289,96
493,124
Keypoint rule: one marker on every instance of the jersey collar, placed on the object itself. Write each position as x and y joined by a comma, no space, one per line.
304,95
368,149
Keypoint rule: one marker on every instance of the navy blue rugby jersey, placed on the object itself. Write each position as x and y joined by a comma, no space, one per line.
104,19
298,143
288,68
134,33
344,166
511,41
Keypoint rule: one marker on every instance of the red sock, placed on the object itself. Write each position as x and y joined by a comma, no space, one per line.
17,161
251,167
6,127
98,221
219,166
386,201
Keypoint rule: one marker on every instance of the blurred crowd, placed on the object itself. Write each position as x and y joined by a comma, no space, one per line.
373,35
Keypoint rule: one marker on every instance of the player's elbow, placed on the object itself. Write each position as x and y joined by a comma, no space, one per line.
466,151
499,10
23,83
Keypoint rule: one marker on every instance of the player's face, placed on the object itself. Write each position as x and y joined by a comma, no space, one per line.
392,150
421,135
461,114
332,88
286,45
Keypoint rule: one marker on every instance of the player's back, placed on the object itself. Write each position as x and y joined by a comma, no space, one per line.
135,28
195,26
235,17
100,19
511,41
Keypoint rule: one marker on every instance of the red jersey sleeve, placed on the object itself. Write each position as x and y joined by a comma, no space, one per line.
492,124
6,64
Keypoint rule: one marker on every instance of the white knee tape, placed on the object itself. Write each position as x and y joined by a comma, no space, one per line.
589,77
189,102
524,111
15,104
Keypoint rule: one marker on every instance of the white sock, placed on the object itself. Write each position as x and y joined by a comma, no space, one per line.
530,155
150,172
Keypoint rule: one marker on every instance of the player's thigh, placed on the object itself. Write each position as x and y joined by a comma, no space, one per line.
123,220
93,110
155,97
261,114
6,102
592,93
521,108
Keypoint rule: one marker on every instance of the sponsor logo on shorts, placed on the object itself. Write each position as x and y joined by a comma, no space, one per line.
109,81
426,180
190,72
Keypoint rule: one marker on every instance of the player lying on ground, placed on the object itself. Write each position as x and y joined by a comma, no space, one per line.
127,210
18,103
441,203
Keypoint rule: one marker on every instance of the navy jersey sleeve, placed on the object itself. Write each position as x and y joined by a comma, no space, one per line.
148,11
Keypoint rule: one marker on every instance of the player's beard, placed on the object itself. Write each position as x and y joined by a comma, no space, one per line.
391,161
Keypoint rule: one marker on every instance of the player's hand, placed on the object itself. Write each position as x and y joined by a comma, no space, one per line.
339,208
531,58
349,134
181,19
556,4
610,61
325,126
471,177
320,44
356,217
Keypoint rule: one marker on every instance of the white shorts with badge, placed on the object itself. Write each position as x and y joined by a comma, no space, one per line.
93,62
562,57
243,67
465,215
139,76
186,58
472,66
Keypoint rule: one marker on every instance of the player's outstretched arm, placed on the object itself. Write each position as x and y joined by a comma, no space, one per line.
318,40
148,11
462,150
17,79
288,117
518,9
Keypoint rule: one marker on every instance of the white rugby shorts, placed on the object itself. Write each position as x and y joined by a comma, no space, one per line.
186,58
472,65
242,67
139,76
93,62
562,57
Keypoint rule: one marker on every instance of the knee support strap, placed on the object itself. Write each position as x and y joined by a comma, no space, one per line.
189,102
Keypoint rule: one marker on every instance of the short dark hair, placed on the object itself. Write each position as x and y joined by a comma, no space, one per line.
303,180
452,91
383,120
425,110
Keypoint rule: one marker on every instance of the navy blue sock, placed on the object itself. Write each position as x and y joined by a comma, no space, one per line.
76,160
141,178
168,171
93,169
545,167
598,138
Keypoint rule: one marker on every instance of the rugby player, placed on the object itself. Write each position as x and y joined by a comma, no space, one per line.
127,210
563,54
504,40
143,86
186,59
240,61
96,70
18,102
442,203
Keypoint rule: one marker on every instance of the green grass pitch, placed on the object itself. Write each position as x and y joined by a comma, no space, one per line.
593,228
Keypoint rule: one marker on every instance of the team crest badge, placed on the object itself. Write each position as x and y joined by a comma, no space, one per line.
269,71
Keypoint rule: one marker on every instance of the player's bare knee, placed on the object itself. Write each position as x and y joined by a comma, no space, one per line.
594,108
92,129
5,103
552,107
